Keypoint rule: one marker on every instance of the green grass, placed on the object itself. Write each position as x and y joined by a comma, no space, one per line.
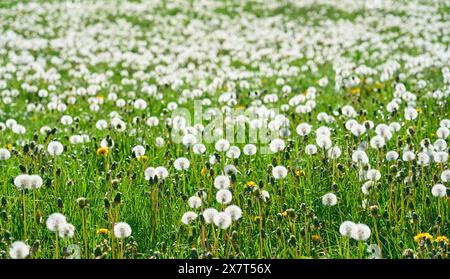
154,211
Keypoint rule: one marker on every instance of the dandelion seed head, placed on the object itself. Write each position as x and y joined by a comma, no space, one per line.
194,202
346,229
329,199
222,220
121,230
234,211
209,214
188,217
19,250
56,222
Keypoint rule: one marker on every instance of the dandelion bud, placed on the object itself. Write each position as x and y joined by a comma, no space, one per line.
290,213
115,183
107,203
98,251
82,202
292,240
35,246
234,236
4,215
22,169
374,210
118,198
194,253
60,203
408,254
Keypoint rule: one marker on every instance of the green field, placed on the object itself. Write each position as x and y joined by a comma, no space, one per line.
302,114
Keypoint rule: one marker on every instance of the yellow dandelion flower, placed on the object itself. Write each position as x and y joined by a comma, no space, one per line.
204,171
421,236
378,85
142,158
299,172
419,110
103,231
9,146
355,91
442,238
315,237
102,151
251,184
284,214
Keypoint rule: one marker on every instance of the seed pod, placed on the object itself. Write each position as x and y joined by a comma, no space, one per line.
118,198
60,203
107,203
82,202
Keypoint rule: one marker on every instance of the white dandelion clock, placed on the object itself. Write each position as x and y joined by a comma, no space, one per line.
19,250
329,199
279,172
250,149
121,230
222,220
277,145
188,217
4,154
303,129
194,202
138,151
310,149
22,181
224,196
199,148
445,176
209,214
55,148
439,191
56,222
234,211
346,228
181,164
68,231
222,145
361,232
222,182
391,156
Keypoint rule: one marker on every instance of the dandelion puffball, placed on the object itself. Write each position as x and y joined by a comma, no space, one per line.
222,220
208,215
224,196
222,182
67,231
346,229
194,202
55,148
234,211
4,154
56,222
329,199
188,217
181,164
439,191
279,172
122,230
19,250
361,232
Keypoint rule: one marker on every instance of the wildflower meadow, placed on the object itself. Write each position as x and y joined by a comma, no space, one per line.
204,129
